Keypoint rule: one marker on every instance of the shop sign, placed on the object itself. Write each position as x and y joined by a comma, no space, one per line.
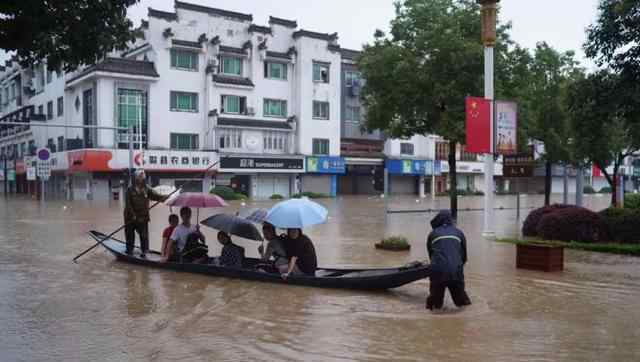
31,173
158,160
406,167
519,165
326,164
261,163
11,175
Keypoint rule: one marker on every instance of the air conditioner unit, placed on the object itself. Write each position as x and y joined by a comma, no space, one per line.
251,111
213,62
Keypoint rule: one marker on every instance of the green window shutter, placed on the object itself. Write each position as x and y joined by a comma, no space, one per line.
316,72
174,60
173,101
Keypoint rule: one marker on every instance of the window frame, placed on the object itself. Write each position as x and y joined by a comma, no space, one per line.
242,104
321,65
268,73
175,64
283,107
174,104
60,106
194,141
407,144
49,110
222,67
231,136
349,111
320,143
320,116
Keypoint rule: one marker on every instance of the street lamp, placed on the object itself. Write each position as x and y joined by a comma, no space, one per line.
488,14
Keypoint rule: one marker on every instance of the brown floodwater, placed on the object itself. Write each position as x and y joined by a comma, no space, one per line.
101,310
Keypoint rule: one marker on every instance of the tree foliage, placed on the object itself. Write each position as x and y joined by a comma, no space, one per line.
69,33
614,39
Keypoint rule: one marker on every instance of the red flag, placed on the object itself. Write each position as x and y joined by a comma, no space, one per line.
478,125
595,171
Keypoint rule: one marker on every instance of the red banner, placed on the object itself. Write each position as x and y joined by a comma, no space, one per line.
478,125
595,171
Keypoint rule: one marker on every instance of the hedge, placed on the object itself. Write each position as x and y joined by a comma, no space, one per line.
632,201
530,225
589,190
311,195
227,193
572,224
605,190
623,225
276,197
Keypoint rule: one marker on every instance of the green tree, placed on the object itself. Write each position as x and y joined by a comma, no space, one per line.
605,130
614,39
418,76
69,33
546,94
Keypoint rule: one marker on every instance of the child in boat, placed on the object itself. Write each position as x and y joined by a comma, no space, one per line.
166,234
232,255
275,248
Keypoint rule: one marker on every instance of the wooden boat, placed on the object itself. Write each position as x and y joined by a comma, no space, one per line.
364,279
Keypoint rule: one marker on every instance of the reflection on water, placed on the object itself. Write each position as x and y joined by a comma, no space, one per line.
100,309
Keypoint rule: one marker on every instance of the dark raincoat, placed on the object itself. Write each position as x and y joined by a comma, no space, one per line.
447,247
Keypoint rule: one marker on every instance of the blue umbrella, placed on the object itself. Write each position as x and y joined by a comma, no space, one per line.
296,213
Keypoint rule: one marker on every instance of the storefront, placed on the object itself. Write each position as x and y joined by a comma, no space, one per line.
261,177
322,174
408,176
363,176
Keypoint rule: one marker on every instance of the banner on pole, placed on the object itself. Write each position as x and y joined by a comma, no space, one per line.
506,127
478,125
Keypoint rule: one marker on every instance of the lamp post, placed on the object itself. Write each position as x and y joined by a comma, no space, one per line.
3,157
488,14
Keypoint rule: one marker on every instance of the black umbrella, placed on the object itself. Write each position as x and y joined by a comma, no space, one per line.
233,225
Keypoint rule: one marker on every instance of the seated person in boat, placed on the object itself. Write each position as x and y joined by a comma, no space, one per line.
174,220
181,233
301,253
232,255
275,252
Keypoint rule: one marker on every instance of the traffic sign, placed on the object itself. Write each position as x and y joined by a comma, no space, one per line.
43,154
519,165
31,173
44,170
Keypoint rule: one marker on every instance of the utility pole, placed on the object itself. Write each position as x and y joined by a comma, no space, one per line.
488,14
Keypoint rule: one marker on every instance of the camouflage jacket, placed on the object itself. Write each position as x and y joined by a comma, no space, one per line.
137,204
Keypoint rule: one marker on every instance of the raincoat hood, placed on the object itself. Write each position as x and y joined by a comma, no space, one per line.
443,218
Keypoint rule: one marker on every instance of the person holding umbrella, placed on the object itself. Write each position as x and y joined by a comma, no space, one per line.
136,212
294,215
275,248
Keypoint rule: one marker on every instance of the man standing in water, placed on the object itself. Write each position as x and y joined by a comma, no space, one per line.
136,213
447,249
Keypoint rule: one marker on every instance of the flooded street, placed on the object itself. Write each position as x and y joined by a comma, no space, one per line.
102,310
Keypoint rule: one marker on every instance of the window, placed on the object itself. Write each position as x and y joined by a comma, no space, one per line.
184,141
49,76
60,106
23,149
32,148
231,66
60,144
321,72
132,110
275,108
50,110
442,150
184,101
229,139
320,110
352,114
320,146
41,109
184,59
351,78
275,141
406,149
274,70
234,104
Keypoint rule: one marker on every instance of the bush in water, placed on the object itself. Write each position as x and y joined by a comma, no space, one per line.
632,201
311,195
227,193
530,225
394,243
276,197
572,224
622,224
589,190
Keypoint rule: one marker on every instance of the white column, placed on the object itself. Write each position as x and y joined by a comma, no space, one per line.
488,229
421,186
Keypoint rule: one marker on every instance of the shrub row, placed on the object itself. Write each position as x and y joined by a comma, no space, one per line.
311,195
227,193
571,223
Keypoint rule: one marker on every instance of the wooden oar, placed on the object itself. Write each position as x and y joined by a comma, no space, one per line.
152,206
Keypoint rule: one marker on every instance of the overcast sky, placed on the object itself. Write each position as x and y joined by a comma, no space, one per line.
560,23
